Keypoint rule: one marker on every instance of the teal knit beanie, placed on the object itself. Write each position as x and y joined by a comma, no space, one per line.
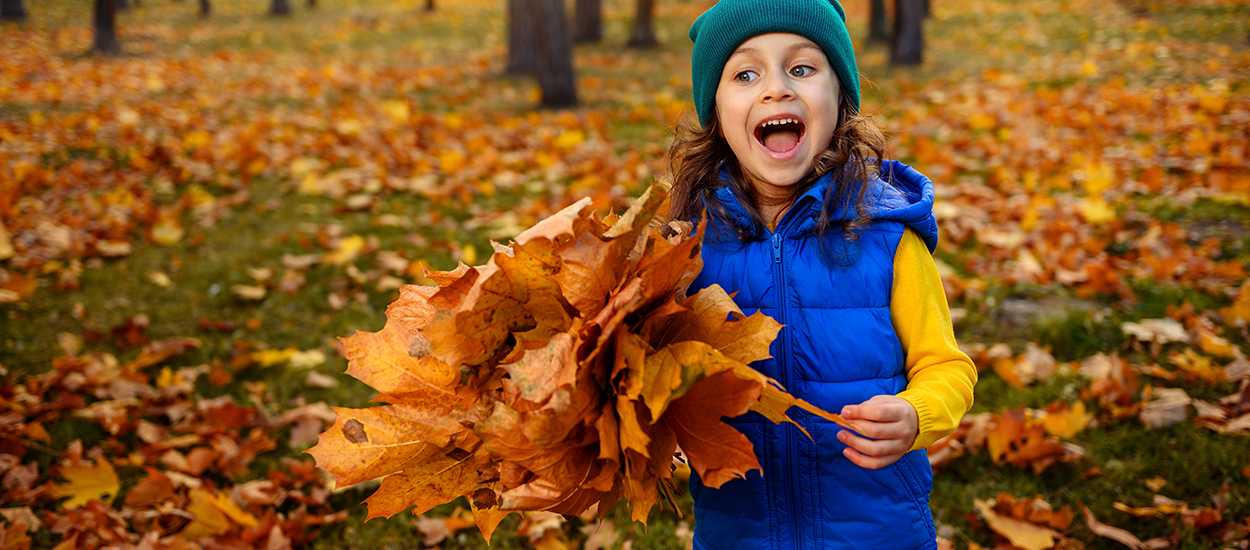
725,26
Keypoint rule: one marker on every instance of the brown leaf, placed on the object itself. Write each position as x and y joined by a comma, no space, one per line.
514,297
1169,406
717,451
541,371
1114,533
413,311
154,488
429,478
158,352
714,318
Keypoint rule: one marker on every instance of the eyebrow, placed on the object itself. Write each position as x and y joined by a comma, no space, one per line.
792,49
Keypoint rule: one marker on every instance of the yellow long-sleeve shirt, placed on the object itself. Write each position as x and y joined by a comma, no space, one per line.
940,377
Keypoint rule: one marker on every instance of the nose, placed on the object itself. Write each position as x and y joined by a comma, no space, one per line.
777,87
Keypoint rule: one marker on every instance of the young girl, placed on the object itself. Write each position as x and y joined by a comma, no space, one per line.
808,226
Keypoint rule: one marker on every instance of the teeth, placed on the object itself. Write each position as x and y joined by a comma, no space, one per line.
779,121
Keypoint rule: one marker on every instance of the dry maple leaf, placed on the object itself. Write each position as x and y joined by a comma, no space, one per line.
1018,437
1028,524
562,375
87,481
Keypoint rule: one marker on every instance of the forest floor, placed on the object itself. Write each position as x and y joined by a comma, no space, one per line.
188,228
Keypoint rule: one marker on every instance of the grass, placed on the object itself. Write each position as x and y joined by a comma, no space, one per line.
467,38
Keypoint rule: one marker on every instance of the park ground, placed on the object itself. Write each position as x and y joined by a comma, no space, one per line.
188,228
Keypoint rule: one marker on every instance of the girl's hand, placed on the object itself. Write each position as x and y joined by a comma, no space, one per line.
889,420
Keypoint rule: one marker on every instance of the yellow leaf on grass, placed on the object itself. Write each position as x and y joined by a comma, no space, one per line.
1155,483
349,127
1089,68
1096,211
1068,421
196,139
249,292
6,244
570,139
1215,345
1240,310
88,482
398,110
1020,533
214,513
982,121
271,357
1099,177
452,161
167,232
347,250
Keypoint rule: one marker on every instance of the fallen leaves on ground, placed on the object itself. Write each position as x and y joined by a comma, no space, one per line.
185,454
1029,524
1080,172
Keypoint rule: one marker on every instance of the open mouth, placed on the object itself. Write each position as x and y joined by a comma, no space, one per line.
780,135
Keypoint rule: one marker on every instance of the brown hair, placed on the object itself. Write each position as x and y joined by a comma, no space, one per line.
699,154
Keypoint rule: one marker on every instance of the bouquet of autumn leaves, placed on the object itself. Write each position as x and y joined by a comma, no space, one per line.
562,374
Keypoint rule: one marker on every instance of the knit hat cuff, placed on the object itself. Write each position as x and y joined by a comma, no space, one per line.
725,26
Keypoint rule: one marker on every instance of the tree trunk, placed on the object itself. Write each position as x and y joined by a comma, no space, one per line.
206,9
643,35
876,22
106,28
522,38
588,21
12,10
280,7
429,5
312,4
555,56
907,47
123,5
928,8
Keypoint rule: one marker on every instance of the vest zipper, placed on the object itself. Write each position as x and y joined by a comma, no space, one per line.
784,373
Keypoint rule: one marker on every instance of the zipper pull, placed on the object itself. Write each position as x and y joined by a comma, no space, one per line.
776,248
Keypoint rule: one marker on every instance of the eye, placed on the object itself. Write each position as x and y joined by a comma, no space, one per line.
802,71
746,76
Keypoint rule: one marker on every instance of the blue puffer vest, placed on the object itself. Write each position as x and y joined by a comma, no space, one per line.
838,347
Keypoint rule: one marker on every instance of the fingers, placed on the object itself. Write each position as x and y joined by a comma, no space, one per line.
878,409
877,446
872,454
870,462
885,427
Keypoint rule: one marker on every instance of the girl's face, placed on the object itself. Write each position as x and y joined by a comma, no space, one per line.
777,104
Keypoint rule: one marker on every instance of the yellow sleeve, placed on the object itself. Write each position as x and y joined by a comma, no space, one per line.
939,376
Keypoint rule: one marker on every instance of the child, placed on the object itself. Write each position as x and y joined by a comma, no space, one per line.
779,164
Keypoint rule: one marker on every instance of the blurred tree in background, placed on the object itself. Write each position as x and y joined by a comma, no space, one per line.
876,22
643,35
106,28
522,38
907,45
588,21
555,55
12,9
